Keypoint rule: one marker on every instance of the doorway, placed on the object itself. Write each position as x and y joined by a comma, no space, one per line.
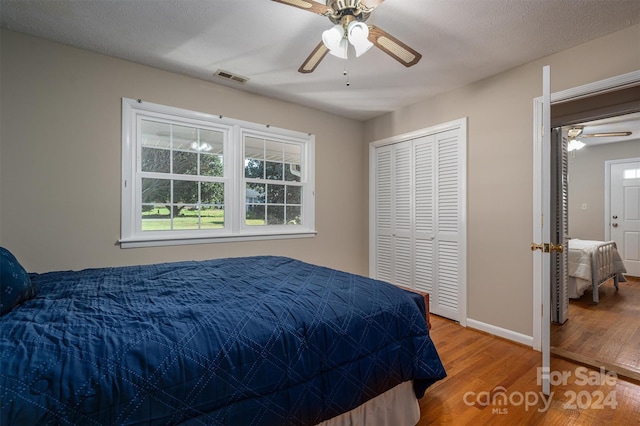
602,100
603,334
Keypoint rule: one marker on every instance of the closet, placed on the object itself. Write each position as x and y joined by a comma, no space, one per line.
418,214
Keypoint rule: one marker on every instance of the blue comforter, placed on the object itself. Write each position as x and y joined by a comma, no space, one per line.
244,341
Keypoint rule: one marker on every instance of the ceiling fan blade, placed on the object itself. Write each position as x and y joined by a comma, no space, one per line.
310,5
369,5
393,47
312,61
605,134
574,132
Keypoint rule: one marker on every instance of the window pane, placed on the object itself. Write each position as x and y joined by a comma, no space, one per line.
275,194
253,169
294,194
292,172
275,215
631,174
273,171
185,163
185,192
212,217
255,193
212,193
254,148
274,151
211,165
183,136
255,215
156,135
155,160
156,191
211,141
292,153
156,217
186,217
294,215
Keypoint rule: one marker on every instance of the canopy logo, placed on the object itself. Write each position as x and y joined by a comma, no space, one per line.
500,400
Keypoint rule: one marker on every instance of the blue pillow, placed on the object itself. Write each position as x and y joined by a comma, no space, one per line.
15,285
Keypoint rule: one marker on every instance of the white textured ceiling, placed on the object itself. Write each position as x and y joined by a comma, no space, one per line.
461,41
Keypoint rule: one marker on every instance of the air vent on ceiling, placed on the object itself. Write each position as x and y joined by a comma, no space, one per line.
226,75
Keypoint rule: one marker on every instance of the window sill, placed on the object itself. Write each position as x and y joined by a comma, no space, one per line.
138,242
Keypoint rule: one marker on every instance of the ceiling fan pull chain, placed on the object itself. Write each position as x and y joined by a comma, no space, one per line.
346,67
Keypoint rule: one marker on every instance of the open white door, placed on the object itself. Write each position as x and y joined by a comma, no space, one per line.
541,226
542,223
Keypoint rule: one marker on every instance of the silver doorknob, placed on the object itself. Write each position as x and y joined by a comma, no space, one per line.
615,225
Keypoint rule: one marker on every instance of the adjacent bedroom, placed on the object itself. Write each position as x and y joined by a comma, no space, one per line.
603,284
303,212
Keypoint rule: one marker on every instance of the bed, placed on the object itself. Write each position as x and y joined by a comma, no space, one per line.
262,340
592,263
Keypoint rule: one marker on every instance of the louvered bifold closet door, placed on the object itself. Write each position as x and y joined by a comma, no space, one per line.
384,212
560,230
417,220
423,150
564,305
403,252
447,220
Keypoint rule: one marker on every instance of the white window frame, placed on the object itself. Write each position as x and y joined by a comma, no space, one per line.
133,111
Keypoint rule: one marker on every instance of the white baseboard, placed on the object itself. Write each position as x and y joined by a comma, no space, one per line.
501,332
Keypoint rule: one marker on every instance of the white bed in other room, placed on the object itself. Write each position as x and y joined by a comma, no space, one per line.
591,263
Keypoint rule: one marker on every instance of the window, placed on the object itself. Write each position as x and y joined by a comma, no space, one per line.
190,178
632,174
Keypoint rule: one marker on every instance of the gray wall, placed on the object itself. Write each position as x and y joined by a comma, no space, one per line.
586,186
61,146
60,162
500,166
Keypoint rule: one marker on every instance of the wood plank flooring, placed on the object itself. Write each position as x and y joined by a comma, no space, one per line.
604,334
490,381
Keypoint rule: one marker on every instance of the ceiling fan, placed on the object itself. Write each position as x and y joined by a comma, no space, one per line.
349,17
574,132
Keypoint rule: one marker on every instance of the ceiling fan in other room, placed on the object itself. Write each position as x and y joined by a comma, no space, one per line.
349,17
574,132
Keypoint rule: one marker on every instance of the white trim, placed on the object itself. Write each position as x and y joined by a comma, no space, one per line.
598,87
537,215
155,242
460,123
500,332
607,191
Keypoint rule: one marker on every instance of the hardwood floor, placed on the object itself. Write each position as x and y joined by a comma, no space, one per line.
604,334
494,381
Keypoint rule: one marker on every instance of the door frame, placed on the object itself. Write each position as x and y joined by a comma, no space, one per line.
587,90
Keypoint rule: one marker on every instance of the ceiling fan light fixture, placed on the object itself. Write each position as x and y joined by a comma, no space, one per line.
358,34
332,38
574,145
201,146
341,50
